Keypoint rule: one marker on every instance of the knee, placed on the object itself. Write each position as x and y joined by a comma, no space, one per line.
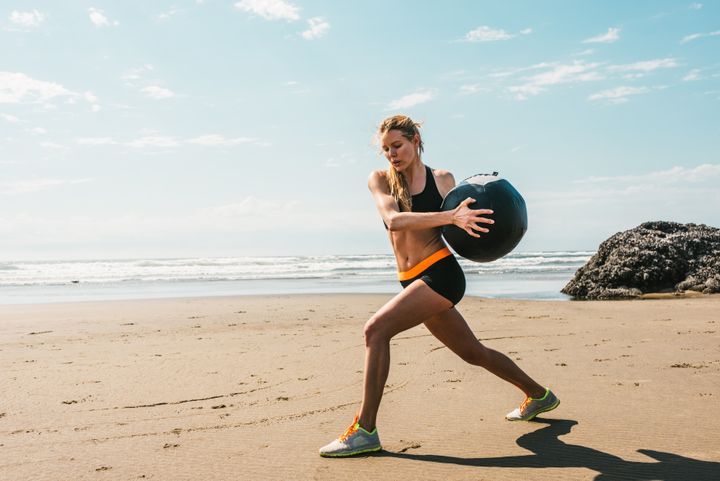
374,331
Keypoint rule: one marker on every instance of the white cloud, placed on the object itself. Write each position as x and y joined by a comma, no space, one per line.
674,175
539,77
166,15
270,9
10,118
344,159
36,185
95,108
27,19
695,36
680,194
509,73
17,87
578,71
690,38
38,131
152,139
619,94
251,206
155,92
411,100
612,35
584,53
317,27
215,139
136,73
645,66
95,141
51,145
249,214
693,74
98,18
696,6
473,89
487,34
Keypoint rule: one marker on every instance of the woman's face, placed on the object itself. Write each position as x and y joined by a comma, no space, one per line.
399,151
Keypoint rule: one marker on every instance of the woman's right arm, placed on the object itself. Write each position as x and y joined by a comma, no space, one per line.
462,216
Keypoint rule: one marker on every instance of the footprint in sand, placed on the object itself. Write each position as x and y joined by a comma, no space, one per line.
410,445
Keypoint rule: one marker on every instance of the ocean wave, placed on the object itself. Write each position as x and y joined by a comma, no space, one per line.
206,269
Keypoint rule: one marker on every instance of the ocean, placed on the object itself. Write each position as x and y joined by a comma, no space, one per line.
520,275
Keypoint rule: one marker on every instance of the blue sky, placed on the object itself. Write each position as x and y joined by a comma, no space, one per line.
224,128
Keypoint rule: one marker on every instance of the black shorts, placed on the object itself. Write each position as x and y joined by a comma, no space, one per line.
444,276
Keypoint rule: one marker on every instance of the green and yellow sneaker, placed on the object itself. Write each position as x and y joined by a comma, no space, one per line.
531,407
355,440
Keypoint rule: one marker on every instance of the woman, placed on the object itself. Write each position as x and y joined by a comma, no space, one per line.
408,196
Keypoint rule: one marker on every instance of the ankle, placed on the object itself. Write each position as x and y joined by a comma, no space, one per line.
367,425
537,394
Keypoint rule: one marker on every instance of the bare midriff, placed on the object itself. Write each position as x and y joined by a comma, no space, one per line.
413,246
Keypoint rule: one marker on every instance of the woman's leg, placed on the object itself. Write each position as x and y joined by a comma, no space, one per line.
409,308
451,329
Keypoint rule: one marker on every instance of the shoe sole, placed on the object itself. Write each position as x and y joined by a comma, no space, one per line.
529,418
353,453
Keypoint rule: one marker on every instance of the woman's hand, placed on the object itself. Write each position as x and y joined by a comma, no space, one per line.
468,219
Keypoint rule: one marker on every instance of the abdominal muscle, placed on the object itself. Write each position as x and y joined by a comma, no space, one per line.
413,246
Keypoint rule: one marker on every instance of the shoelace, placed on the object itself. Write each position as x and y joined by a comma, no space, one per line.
525,404
350,430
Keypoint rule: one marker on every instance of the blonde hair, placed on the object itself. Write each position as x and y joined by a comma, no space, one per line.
398,184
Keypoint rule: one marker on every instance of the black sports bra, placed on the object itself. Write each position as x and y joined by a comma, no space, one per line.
429,200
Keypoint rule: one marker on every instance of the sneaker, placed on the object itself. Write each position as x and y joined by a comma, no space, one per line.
531,407
355,440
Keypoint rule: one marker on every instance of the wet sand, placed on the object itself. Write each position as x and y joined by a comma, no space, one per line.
251,387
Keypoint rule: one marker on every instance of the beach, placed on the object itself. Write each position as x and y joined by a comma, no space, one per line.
249,387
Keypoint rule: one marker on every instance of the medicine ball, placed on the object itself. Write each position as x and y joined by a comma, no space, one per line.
510,216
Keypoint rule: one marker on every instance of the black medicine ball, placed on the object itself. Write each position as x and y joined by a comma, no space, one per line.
510,216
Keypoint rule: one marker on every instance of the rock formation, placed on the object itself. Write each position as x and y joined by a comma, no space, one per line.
653,257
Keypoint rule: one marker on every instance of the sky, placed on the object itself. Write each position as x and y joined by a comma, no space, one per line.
230,128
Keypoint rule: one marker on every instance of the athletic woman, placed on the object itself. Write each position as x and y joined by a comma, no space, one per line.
408,196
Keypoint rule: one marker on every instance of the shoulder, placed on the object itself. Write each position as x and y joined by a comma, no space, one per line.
377,180
444,179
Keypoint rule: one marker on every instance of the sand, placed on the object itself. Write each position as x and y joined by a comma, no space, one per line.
250,387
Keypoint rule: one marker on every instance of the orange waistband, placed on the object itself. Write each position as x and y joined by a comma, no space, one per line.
424,264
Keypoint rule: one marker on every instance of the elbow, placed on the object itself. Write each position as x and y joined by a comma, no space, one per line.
392,224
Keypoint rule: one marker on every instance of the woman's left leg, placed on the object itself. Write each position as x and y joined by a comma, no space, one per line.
452,330
411,307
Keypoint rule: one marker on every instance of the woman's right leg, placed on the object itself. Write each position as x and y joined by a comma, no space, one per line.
452,330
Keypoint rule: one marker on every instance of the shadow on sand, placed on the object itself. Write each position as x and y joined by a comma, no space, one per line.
550,452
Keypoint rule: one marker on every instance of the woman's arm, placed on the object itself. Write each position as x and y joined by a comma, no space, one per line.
462,216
